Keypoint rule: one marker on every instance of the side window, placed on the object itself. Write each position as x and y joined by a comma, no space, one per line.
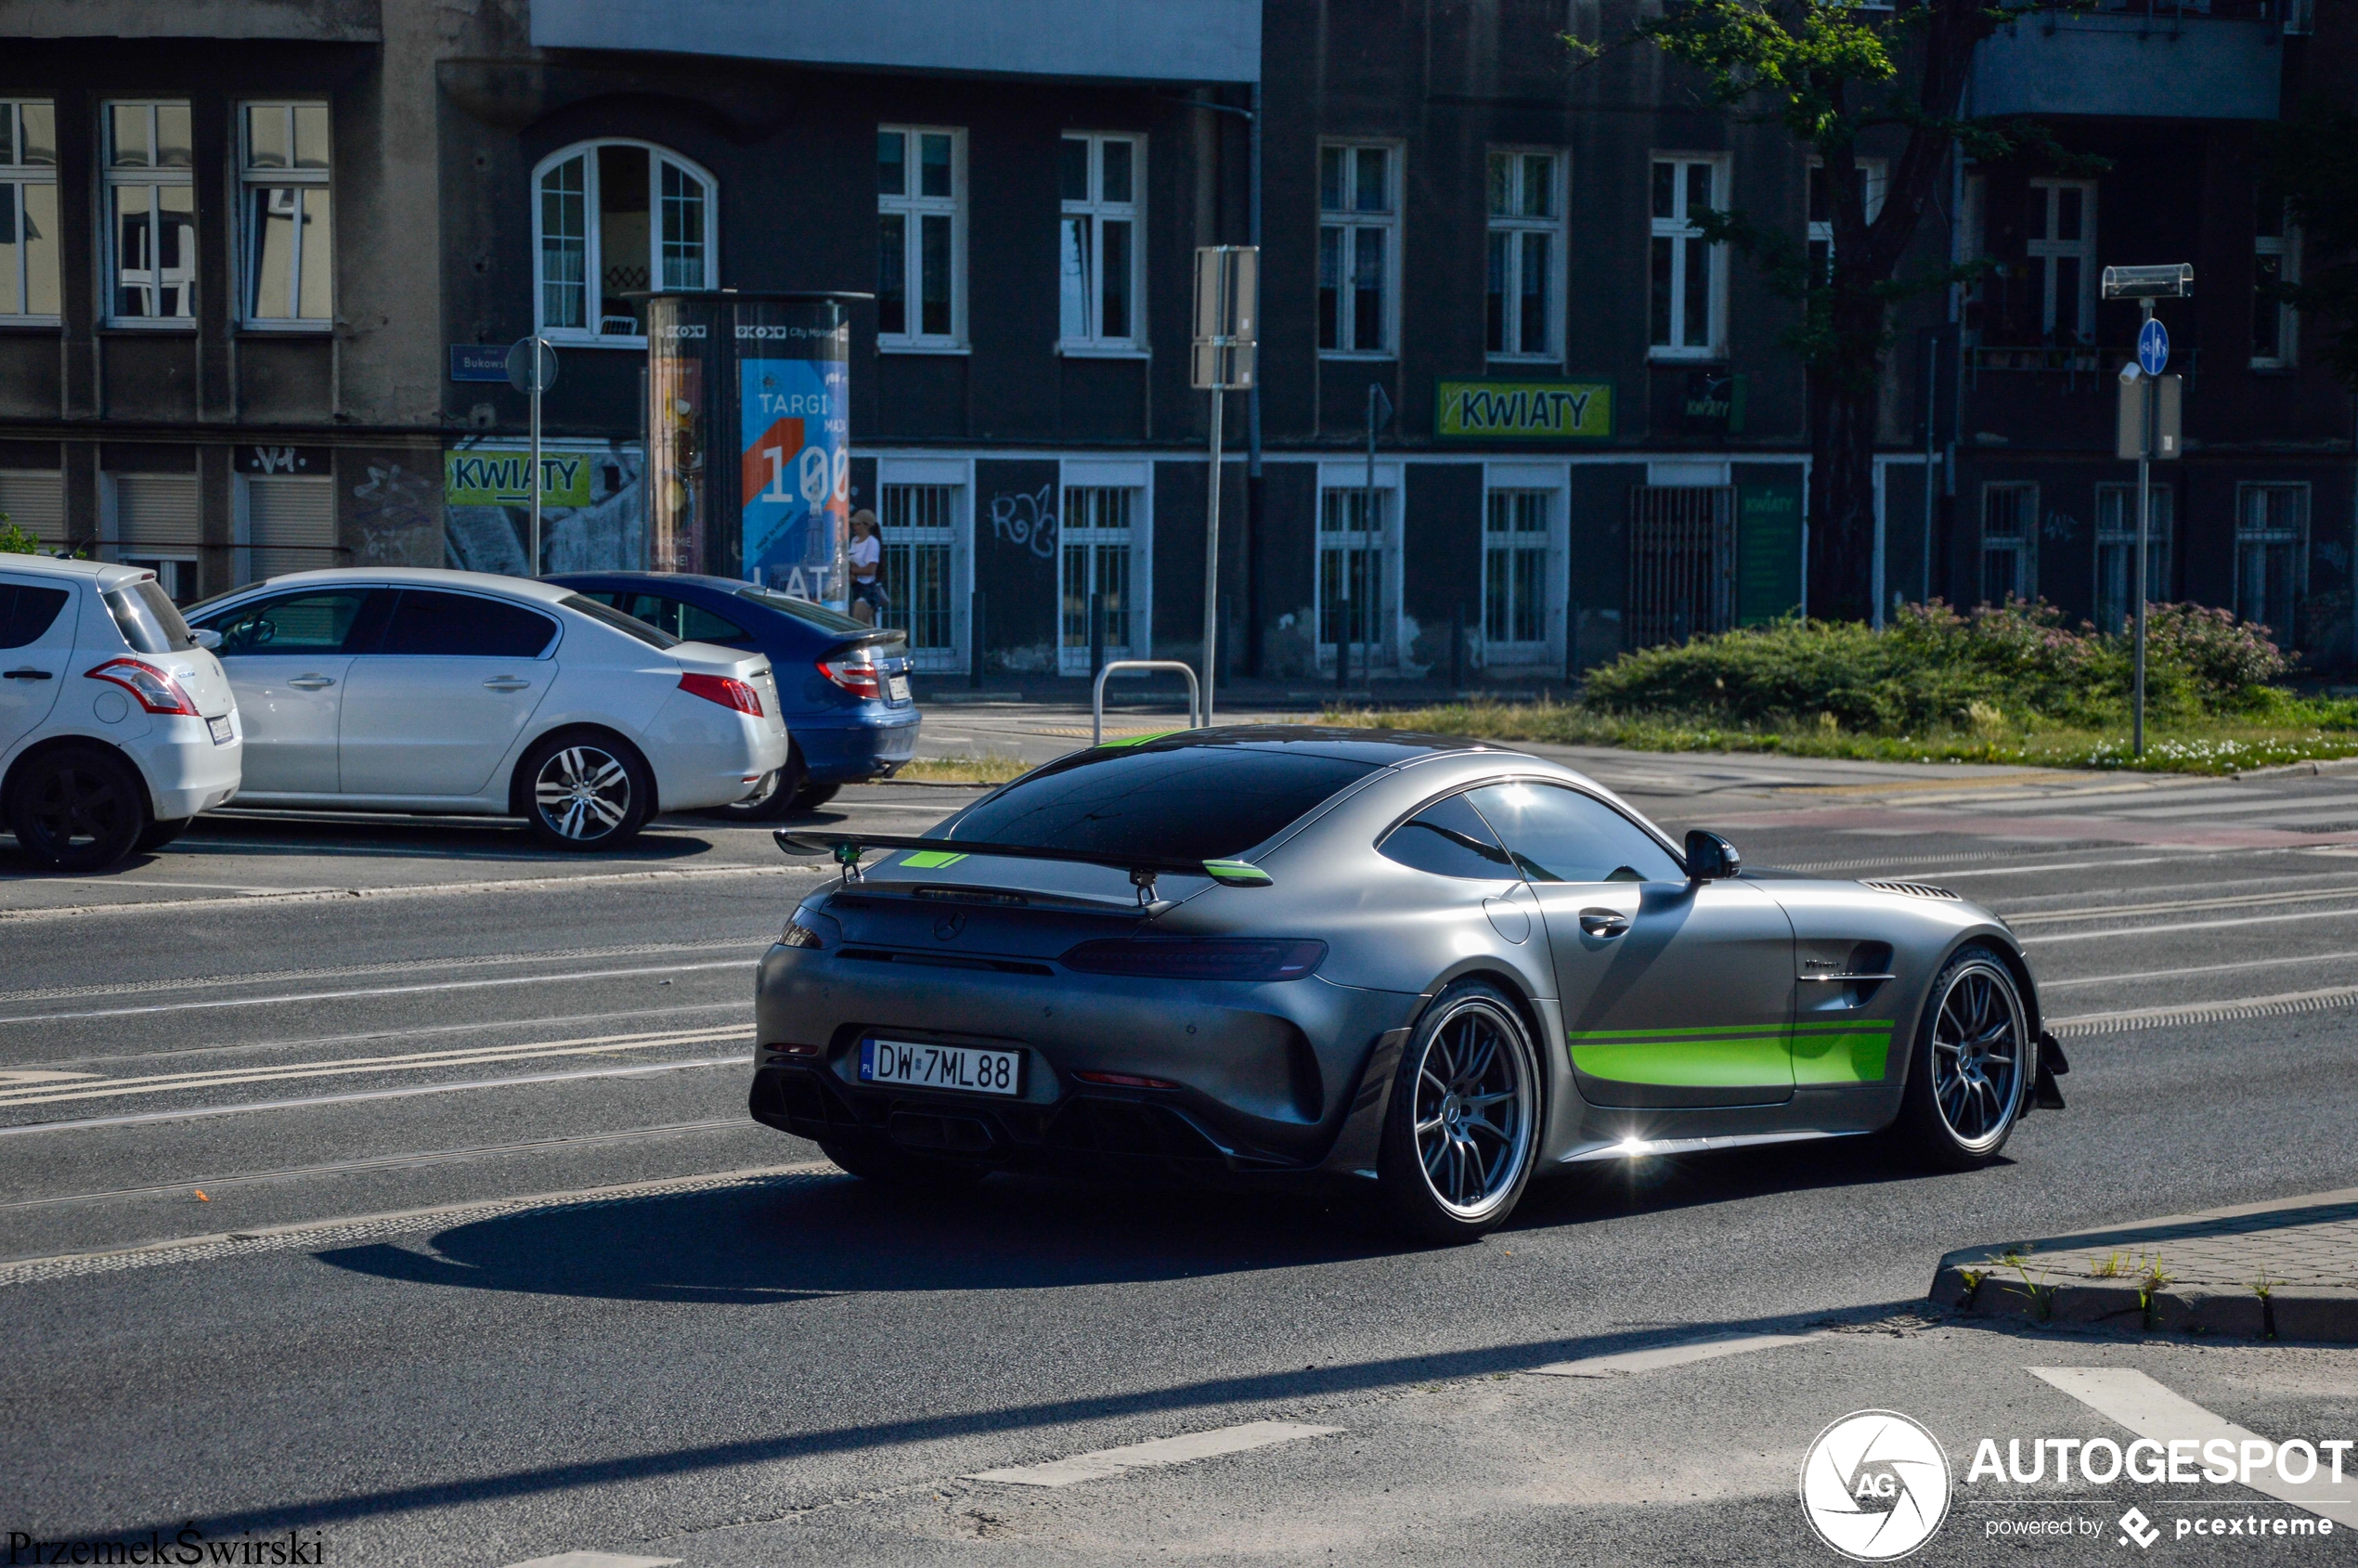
700,624
303,623
460,626
1450,838
1560,835
27,611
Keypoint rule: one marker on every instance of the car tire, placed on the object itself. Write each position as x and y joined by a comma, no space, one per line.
873,1160
1461,1133
584,790
78,807
774,802
811,796
1969,1068
160,834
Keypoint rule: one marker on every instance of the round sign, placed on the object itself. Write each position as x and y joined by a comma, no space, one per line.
523,370
2153,347
1874,1485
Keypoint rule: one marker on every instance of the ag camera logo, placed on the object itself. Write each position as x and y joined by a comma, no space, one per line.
1874,1485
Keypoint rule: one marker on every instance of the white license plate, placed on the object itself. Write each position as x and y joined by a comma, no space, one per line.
898,686
968,1067
220,728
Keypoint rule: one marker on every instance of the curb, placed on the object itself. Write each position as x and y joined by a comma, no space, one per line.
2048,1283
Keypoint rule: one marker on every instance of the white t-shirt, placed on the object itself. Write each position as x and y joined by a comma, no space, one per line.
865,553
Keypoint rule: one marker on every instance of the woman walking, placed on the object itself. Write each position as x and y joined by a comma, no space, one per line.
869,600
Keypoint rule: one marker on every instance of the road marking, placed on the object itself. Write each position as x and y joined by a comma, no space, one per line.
1103,1462
390,1163
422,891
144,882
1655,1357
2181,906
2206,1012
595,1560
190,1113
2197,969
2282,804
18,1076
2189,926
473,1056
2128,1397
308,996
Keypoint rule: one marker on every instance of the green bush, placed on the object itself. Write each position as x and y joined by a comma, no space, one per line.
15,540
1934,667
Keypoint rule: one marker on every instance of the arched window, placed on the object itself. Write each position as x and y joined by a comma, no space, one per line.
611,217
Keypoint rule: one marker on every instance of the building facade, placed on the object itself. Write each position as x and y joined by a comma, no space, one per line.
265,279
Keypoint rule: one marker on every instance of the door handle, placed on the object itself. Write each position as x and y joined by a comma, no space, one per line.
312,682
1603,922
505,683
30,675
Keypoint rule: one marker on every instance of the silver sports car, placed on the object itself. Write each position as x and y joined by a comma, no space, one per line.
1431,963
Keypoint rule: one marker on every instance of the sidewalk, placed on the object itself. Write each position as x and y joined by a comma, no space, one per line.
2283,1270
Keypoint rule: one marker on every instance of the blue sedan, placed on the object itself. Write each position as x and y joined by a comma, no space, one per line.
844,684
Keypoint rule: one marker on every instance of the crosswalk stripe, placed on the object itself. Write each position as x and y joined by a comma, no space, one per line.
1655,1357
2128,1397
1103,1462
596,1559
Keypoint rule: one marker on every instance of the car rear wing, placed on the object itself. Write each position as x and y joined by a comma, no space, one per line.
846,847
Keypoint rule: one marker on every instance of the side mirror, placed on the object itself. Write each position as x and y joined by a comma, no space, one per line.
204,637
1711,858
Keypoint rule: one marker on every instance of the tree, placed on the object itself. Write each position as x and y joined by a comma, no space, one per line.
2311,162
1832,71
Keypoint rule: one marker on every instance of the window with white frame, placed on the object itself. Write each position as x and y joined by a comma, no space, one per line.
1095,561
611,218
2063,258
2009,542
1515,539
2272,555
2275,266
1101,269
1867,174
287,235
151,214
1687,278
1355,573
920,526
1526,244
2117,550
28,210
921,237
1358,245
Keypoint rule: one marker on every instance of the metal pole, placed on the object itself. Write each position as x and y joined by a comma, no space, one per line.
537,347
2145,521
1371,595
1212,555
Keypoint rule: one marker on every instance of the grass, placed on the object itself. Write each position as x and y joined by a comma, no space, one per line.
990,767
2292,729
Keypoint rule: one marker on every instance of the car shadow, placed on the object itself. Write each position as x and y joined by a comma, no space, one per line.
475,838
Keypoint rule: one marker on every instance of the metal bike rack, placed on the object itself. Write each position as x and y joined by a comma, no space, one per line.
1097,693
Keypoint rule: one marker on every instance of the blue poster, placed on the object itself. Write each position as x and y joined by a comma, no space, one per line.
796,427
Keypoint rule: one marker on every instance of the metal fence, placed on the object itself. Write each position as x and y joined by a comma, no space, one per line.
1682,561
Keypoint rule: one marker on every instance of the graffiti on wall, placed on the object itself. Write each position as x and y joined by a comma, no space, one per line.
394,517
1027,520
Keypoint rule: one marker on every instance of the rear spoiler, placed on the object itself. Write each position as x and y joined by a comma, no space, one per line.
846,847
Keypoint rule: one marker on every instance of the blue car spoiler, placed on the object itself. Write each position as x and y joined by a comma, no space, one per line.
846,847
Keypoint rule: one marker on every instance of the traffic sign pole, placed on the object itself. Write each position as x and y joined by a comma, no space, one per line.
532,369
535,464
2173,280
2144,519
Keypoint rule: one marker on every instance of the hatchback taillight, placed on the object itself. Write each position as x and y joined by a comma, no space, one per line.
856,673
1199,958
725,689
156,692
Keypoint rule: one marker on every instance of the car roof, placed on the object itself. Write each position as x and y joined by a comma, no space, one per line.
105,574
693,579
421,576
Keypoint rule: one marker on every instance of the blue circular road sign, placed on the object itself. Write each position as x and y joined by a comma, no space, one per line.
2152,348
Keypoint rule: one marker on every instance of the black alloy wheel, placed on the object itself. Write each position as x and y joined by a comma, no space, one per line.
78,807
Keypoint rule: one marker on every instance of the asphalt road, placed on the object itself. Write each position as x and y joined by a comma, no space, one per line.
289,1037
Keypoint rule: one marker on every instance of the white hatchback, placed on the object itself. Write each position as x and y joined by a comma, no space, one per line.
115,726
426,691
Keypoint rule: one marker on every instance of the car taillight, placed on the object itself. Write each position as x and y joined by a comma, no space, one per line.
722,689
156,692
857,674
1199,958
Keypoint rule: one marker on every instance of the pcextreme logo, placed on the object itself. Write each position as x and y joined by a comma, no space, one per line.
1874,1485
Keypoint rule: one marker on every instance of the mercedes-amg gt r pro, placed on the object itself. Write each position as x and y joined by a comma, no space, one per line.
1428,962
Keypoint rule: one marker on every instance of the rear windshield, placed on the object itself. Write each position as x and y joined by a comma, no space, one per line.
803,610
606,614
1195,801
148,619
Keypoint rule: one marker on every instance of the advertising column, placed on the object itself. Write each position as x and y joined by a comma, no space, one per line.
794,419
682,343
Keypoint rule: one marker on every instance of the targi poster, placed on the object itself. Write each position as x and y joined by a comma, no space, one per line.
796,423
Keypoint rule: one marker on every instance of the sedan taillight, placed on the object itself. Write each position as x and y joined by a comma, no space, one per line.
856,674
725,689
1199,958
156,692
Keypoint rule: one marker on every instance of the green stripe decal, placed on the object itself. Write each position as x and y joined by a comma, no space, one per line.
1137,740
1237,874
1850,1055
930,859
1738,1056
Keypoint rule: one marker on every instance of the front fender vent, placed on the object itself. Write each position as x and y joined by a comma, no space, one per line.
1912,889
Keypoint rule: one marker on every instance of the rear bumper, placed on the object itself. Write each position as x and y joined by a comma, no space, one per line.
857,747
704,754
1267,1080
185,771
